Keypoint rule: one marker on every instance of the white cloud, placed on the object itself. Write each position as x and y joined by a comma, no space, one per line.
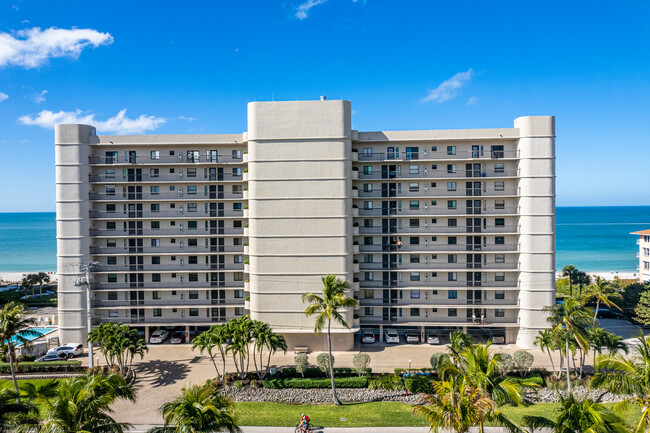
119,124
472,100
32,48
40,97
188,118
303,10
448,89
3,97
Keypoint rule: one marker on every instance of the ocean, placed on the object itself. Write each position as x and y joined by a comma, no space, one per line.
590,238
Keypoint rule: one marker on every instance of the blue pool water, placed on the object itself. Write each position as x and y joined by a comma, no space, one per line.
42,331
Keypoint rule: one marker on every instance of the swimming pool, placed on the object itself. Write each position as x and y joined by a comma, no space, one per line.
42,330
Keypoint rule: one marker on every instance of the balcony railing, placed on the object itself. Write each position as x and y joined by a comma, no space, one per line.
166,232
430,193
146,177
178,285
175,159
422,248
433,229
177,214
439,320
442,155
179,303
165,196
147,250
432,303
435,174
171,267
439,267
437,284
171,321
427,212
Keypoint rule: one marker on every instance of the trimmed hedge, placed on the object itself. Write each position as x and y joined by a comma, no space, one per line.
42,367
341,382
401,371
314,372
389,382
419,384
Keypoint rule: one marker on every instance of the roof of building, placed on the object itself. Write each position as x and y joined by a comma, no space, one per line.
641,232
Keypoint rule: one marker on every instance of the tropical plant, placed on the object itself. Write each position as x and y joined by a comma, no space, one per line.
545,342
360,362
323,363
15,329
582,279
27,284
458,405
327,308
524,360
458,341
119,344
265,339
240,331
40,393
302,361
631,296
570,272
628,375
15,414
579,416
198,409
437,358
642,309
41,278
215,337
602,291
82,404
572,319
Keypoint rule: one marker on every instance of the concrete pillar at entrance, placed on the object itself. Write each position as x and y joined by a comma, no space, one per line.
422,335
381,333
146,334
187,333
464,329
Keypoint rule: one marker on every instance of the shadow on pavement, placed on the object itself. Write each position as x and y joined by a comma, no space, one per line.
157,373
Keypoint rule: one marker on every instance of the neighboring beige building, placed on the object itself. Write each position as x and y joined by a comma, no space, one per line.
437,230
644,255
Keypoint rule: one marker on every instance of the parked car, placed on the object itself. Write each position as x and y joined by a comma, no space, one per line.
49,357
158,336
177,337
433,338
391,336
70,350
412,337
368,337
605,313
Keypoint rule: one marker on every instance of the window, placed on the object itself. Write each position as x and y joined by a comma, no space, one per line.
237,189
434,148
236,171
239,311
155,294
194,312
112,278
191,172
414,240
367,240
191,189
414,223
155,225
452,312
155,260
369,311
154,172
239,294
236,154
367,187
237,224
433,184
415,312
500,276
415,294
110,173
452,294
157,312
434,221
367,205
452,258
367,169
172,171
367,151
110,189
111,260
110,208
155,278
499,185
367,222
368,276
414,258
191,207
172,188
238,258
646,251
155,190
499,167
433,202
451,186
452,276
237,206
451,150
499,204
238,276
452,222
415,276
414,187
451,168
368,258
646,265
499,258
111,243
155,207
451,204
500,240
499,294
194,294
368,294
155,243
414,169
112,296
434,166
452,240
155,154
112,313
499,222
237,241
414,204
499,312
192,260
110,225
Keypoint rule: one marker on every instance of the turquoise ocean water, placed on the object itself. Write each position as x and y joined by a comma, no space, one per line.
590,238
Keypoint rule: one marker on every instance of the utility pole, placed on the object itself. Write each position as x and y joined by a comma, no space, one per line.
86,281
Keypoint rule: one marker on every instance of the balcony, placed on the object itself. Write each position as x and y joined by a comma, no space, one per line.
157,303
174,160
437,248
433,229
178,285
180,232
437,174
178,214
440,267
437,211
433,303
170,267
439,284
170,321
439,320
175,178
165,196
433,193
198,250
435,156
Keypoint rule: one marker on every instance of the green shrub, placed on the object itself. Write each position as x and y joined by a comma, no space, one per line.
399,371
361,361
302,361
436,358
507,362
341,382
238,384
389,382
323,362
42,367
254,384
524,360
418,384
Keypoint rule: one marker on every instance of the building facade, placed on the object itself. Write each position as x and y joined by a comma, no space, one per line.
435,230
644,255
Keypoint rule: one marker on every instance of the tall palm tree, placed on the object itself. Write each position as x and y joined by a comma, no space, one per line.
327,308
215,337
265,338
458,406
42,277
575,416
570,271
628,375
15,414
241,334
602,291
14,330
198,409
573,319
582,279
82,404
459,341
545,341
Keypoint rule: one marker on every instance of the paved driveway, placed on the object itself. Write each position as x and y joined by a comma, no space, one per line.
620,327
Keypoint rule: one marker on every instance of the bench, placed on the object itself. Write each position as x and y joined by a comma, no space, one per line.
301,349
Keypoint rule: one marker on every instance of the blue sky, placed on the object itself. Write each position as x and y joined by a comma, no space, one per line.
191,67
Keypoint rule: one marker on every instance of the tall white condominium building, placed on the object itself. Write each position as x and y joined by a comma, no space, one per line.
644,255
436,230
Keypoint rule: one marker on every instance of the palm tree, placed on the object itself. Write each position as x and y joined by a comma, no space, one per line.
628,375
575,416
545,341
198,409
458,406
217,336
119,343
602,291
459,341
327,309
82,404
265,338
41,278
15,414
583,279
14,330
570,271
573,319
484,371
240,331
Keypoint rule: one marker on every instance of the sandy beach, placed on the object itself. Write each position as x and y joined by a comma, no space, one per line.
16,277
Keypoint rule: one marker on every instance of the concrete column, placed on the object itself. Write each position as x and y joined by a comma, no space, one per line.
381,333
146,334
187,333
536,150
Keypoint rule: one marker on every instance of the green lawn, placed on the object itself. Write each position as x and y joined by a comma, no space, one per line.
9,384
